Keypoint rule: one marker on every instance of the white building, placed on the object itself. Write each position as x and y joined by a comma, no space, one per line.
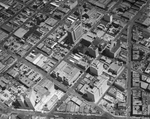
67,72
97,68
99,89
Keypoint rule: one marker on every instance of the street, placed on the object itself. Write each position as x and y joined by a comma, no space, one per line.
71,90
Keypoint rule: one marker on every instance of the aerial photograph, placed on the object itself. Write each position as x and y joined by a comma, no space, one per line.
74,59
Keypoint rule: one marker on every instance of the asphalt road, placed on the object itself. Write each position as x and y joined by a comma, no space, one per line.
65,115
21,59
60,85
130,23
70,90
129,37
25,5
2,42
129,71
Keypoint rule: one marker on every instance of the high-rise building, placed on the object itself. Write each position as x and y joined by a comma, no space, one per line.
20,100
67,73
48,85
108,18
95,92
115,68
113,49
27,101
97,68
75,31
93,51
30,99
33,98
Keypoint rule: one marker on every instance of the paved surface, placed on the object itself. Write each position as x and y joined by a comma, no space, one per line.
25,5
129,72
71,90
129,37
